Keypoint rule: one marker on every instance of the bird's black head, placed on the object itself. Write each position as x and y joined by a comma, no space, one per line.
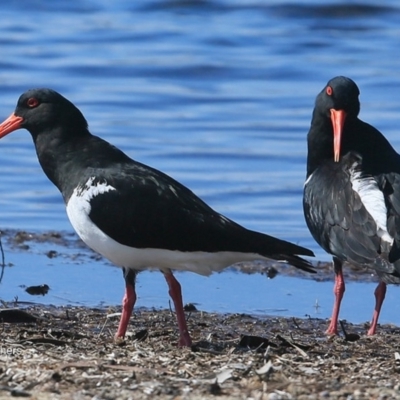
338,101
340,93
44,110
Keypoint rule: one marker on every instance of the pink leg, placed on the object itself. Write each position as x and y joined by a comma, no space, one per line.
176,295
128,302
338,291
380,293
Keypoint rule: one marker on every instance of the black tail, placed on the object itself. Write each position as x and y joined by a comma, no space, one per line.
281,250
296,261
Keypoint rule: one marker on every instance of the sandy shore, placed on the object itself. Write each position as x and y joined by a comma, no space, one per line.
69,352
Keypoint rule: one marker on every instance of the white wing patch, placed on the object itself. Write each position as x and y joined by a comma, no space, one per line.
91,189
373,200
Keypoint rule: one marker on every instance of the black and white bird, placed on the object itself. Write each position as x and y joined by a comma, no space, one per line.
132,214
352,192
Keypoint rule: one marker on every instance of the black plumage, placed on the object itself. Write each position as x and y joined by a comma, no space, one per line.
352,194
134,215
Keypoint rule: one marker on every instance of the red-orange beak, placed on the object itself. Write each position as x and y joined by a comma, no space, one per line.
338,117
12,123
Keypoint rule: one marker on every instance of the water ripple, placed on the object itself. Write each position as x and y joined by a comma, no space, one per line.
217,93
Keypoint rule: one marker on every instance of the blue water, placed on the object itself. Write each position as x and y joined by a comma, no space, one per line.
219,95
76,279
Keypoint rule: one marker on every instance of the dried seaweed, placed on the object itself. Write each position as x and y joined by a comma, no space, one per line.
70,353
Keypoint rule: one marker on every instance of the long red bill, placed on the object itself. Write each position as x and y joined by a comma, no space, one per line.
338,117
11,124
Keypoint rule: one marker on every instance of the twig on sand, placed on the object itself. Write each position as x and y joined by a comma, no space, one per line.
3,261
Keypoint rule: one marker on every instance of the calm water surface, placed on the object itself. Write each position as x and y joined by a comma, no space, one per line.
219,95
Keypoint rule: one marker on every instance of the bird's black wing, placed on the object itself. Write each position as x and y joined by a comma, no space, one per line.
389,183
159,212
337,217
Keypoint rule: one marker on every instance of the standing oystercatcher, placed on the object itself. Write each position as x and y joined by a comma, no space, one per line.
132,214
352,192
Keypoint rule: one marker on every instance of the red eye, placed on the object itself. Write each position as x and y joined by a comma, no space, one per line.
32,102
329,91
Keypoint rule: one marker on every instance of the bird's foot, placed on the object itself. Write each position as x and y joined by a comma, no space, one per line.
185,340
332,330
371,331
119,340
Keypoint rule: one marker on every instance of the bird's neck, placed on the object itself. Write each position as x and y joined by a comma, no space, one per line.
320,143
358,137
57,152
66,157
